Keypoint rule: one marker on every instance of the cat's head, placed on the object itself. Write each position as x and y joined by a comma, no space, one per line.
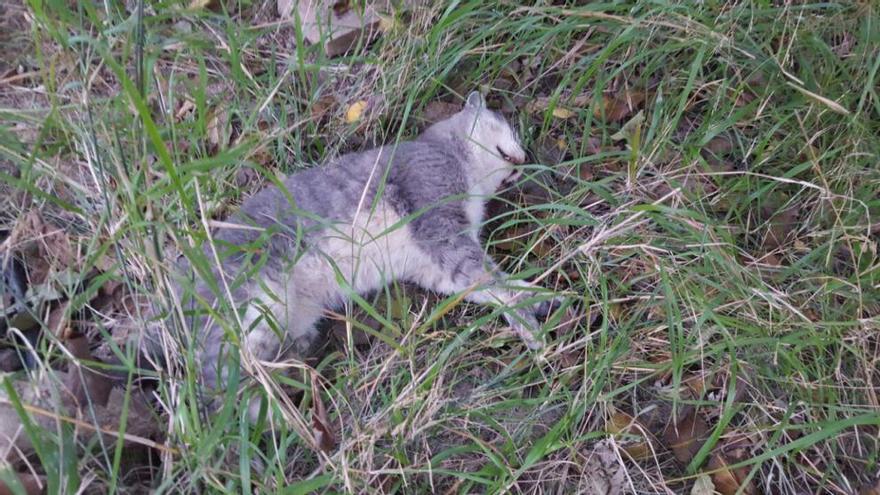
493,144
495,147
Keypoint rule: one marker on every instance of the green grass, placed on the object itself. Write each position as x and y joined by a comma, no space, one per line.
729,238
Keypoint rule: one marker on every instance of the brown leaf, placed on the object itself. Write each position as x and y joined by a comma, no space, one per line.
687,436
324,438
727,481
141,422
58,321
86,386
45,248
635,437
322,106
617,108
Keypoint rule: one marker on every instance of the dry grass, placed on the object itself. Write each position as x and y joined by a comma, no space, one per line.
705,192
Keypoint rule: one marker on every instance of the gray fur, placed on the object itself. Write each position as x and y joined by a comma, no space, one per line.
351,216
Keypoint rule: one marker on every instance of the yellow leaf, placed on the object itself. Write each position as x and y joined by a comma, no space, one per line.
355,111
198,4
386,23
562,113
561,145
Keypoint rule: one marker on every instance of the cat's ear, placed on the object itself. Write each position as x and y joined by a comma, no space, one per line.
475,100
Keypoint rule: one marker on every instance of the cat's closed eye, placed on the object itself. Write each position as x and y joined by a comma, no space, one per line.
504,156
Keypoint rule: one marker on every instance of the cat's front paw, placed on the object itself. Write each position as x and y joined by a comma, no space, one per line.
525,326
544,309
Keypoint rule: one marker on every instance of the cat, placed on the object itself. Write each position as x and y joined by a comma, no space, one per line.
405,212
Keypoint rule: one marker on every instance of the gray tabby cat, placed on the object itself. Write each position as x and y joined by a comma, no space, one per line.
409,212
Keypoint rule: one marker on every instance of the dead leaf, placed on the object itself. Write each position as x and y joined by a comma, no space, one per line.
563,113
727,481
322,106
58,321
603,473
140,423
86,386
630,127
687,436
543,103
202,4
355,111
694,385
324,438
218,121
333,23
44,248
634,436
703,486
187,108
617,108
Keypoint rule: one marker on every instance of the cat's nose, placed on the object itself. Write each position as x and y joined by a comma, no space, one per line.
518,159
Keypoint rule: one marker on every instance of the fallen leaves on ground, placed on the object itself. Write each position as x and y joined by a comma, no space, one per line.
86,386
544,103
620,106
687,436
604,473
216,135
324,438
322,106
729,481
632,435
44,248
333,24
355,111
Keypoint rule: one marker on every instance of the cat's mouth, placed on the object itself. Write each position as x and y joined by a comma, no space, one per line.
512,177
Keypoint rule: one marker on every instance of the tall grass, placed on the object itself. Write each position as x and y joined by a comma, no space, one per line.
729,237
